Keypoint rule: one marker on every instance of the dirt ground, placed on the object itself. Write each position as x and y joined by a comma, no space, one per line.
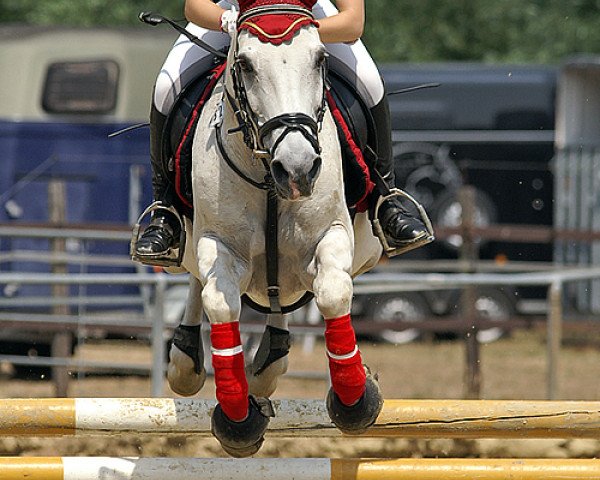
512,368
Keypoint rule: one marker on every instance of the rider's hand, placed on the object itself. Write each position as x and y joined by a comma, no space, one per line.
229,21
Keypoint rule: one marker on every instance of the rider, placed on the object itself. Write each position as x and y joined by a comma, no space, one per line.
340,30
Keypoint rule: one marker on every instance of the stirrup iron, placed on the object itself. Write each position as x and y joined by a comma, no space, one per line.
175,255
408,245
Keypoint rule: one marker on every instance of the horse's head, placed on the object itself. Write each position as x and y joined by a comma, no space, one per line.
280,87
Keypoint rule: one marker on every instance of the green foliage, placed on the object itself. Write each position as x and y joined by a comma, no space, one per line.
85,13
540,31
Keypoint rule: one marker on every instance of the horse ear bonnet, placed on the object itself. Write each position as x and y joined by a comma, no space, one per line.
246,5
275,28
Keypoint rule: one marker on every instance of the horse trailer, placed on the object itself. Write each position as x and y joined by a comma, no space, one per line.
63,91
490,127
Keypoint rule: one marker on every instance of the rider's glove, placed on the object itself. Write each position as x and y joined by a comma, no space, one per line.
229,21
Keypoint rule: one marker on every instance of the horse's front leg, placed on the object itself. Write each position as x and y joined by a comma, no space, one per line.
271,358
186,372
354,400
238,421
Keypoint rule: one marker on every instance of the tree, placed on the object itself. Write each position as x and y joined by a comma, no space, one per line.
84,13
538,31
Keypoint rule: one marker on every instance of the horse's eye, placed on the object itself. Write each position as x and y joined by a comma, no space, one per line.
244,64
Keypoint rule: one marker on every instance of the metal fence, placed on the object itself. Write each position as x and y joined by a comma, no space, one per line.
577,208
367,284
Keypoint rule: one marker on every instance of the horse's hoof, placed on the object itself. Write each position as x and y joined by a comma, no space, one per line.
182,375
357,418
242,439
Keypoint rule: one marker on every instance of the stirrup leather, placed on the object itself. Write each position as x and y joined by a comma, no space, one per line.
410,244
174,256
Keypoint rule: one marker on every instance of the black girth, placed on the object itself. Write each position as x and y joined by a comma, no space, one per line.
271,244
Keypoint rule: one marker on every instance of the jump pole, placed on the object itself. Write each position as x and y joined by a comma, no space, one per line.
399,418
133,468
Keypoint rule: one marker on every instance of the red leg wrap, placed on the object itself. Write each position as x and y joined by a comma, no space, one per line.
228,363
347,374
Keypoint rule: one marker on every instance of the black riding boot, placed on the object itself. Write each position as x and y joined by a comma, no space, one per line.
161,236
399,226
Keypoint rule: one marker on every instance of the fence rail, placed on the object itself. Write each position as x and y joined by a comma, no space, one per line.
153,291
368,284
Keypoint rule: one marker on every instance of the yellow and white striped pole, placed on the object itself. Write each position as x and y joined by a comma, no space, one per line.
399,418
131,468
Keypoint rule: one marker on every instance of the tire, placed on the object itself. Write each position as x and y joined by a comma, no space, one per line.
29,372
408,307
446,212
493,304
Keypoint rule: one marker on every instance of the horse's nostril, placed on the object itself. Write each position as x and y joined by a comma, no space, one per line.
315,170
280,174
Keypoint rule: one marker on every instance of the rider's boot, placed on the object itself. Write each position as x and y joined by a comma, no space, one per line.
162,235
401,229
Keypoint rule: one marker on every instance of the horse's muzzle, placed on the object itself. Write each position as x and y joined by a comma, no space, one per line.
296,184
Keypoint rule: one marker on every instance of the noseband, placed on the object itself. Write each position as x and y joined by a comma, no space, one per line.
255,133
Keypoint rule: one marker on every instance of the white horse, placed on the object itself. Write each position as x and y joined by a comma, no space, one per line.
266,132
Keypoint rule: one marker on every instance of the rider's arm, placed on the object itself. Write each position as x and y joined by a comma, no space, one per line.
347,26
204,13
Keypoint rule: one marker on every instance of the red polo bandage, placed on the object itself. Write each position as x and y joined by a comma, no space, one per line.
345,363
228,363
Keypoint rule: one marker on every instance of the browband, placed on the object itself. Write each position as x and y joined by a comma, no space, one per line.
278,9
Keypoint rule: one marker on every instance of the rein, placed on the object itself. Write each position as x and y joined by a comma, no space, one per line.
254,135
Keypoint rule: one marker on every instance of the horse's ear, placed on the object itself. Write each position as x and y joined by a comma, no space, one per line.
246,5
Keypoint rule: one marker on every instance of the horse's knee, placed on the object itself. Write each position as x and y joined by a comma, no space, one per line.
333,293
220,306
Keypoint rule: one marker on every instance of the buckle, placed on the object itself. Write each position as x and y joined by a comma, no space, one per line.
174,257
410,244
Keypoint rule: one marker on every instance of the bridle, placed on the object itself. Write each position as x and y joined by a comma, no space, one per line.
255,133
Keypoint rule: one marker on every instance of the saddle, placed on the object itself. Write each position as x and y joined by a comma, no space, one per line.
354,124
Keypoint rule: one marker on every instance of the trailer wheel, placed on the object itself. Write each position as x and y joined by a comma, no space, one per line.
406,307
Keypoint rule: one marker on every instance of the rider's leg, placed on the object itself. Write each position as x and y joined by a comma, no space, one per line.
180,67
162,234
399,226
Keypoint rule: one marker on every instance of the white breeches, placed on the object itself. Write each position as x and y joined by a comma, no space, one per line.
178,68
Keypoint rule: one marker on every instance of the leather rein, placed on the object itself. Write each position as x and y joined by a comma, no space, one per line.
254,135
